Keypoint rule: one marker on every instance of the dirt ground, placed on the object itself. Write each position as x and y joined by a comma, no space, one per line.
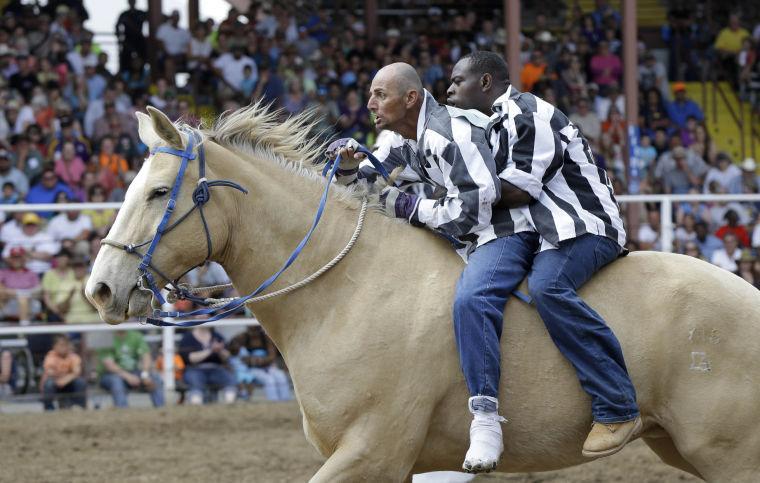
258,442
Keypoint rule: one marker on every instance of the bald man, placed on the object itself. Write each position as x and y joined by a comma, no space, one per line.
445,149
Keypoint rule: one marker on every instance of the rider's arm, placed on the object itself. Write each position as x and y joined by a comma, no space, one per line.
535,153
471,184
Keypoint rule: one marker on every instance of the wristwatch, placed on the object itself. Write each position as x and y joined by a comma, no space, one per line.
144,375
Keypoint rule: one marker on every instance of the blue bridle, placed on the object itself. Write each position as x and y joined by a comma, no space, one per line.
201,196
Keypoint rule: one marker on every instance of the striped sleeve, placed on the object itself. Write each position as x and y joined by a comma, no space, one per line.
535,154
470,181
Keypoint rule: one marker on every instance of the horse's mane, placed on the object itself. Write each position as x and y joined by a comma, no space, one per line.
255,129
294,143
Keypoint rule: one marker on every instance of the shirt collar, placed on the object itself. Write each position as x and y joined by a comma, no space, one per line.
423,114
499,103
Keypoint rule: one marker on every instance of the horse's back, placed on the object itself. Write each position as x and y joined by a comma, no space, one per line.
686,329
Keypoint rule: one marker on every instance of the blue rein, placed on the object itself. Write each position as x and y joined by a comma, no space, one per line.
201,196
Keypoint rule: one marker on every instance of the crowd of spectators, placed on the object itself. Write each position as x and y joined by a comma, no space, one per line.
67,132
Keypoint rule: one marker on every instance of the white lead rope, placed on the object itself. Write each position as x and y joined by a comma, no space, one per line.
295,286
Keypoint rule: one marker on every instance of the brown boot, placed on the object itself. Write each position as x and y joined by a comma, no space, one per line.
609,438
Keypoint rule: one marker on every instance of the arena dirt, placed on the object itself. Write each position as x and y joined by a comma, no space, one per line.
259,442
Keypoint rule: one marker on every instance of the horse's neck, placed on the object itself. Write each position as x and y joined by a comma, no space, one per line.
269,225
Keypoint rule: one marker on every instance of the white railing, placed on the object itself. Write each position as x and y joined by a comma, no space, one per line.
666,209
167,339
167,347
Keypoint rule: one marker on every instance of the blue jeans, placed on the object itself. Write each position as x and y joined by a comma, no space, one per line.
198,379
119,388
578,331
72,393
493,272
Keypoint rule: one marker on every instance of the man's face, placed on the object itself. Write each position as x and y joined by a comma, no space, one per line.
16,262
465,91
5,164
730,244
49,179
386,102
30,229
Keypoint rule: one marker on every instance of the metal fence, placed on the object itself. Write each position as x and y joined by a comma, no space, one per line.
168,333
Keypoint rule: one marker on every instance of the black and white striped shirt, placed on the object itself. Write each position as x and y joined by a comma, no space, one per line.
453,162
544,154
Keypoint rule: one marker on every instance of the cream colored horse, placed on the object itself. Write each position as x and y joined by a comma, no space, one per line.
370,345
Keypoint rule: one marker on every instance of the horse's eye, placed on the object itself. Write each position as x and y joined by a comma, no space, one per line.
158,193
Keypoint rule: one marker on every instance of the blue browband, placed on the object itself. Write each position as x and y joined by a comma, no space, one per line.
201,196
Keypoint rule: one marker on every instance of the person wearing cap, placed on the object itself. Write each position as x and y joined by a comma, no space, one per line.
749,181
726,174
679,180
11,174
39,246
19,288
681,108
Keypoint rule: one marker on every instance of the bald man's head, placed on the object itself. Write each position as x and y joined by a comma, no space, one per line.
396,97
401,76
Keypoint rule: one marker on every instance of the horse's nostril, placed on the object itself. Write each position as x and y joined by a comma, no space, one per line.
101,294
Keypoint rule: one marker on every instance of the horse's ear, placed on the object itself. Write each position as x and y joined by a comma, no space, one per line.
164,128
145,130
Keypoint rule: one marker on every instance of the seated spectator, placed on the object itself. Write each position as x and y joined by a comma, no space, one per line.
70,225
681,108
615,126
756,233
655,113
606,67
603,104
229,67
295,100
680,179
649,232
69,167
7,379
354,121
667,161
253,360
746,267
248,84
29,157
733,227
127,365
692,249
39,246
270,88
205,356
9,173
62,377
726,174
749,181
70,132
47,189
208,275
57,286
9,195
707,242
19,288
101,219
646,156
727,256
80,310
111,164
685,232
533,70
587,121
653,74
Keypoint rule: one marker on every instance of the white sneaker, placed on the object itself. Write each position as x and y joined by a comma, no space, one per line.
486,442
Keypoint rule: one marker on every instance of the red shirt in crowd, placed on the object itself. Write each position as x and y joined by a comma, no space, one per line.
739,230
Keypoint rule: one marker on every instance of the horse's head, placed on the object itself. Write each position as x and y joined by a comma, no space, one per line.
114,286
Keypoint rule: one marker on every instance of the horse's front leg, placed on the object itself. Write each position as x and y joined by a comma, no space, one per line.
375,451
